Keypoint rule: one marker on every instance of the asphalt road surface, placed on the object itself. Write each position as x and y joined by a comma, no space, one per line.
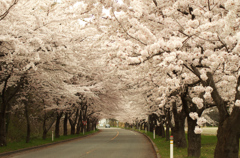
109,143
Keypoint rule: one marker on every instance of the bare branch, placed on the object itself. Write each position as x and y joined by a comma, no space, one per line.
126,30
224,45
155,2
7,11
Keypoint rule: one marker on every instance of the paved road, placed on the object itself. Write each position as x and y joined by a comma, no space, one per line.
110,143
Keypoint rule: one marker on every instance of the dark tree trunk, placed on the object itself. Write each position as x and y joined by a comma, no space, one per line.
65,130
3,107
178,130
88,125
158,131
168,122
152,122
84,118
72,127
7,94
142,126
163,130
73,122
93,125
167,133
44,136
8,116
45,129
228,136
194,140
79,123
229,127
3,141
82,127
28,124
57,125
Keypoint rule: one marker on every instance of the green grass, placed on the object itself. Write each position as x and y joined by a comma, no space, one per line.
207,150
12,146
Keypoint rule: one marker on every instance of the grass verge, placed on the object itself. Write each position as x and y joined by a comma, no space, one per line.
207,150
13,146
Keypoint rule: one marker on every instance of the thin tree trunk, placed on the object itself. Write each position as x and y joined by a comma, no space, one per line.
168,121
65,130
88,125
79,123
73,122
72,126
163,131
57,125
28,124
8,116
167,133
3,141
45,129
3,107
44,136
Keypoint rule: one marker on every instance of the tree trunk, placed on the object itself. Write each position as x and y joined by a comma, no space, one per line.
88,125
178,130
229,128
5,99
194,140
167,133
28,124
168,124
57,125
79,123
44,136
82,127
73,122
228,136
3,141
158,131
45,129
162,130
65,129
93,125
8,116
72,126
3,107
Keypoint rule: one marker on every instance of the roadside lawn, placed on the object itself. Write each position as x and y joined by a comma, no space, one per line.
209,141
13,146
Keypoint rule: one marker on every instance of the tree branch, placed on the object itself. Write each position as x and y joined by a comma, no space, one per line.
126,30
7,11
155,2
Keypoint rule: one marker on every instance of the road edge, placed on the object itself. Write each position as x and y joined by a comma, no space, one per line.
153,144
46,145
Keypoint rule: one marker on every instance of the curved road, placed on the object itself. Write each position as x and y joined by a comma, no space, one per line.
110,143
